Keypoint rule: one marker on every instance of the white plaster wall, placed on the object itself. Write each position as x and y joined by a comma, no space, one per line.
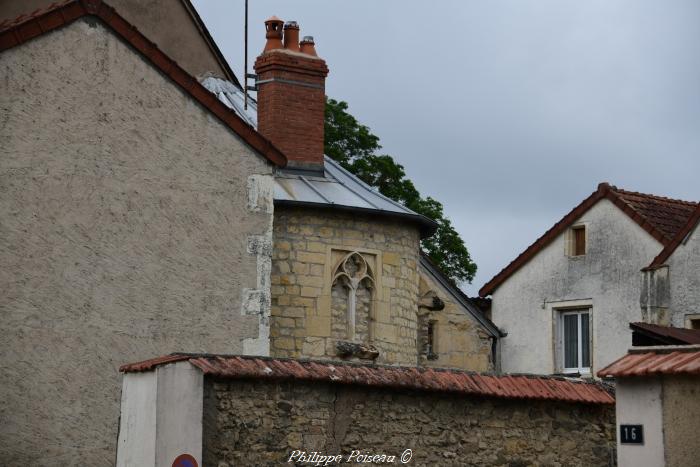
137,424
638,402
684,279
607,277
179,414
128,220
161,416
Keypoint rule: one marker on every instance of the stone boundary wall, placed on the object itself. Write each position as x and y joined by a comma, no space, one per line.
250,422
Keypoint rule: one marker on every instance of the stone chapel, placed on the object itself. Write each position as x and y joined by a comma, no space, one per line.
348,279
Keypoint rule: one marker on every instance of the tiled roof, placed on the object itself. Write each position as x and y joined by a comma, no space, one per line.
662,257
652,361
27,27
410,378
335,188
662,218
667,215
673,335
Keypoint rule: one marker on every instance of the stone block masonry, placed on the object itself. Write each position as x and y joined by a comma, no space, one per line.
254,422
308,247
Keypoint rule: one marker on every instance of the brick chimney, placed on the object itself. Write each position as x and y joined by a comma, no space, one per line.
291,95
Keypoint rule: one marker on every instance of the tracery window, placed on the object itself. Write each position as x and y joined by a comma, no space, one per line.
351,293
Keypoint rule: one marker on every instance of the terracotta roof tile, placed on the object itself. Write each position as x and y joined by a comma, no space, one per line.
662,257
411,378
651,361
663,218
667,215
26,27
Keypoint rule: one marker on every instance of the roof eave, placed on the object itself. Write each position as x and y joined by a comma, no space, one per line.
426,226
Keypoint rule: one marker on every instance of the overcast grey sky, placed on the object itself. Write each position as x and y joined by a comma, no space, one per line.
509,112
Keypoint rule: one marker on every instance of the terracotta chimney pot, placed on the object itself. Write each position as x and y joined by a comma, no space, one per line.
291,36
307,46
291,96
273,28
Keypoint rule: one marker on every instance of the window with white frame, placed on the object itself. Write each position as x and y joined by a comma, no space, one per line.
575,341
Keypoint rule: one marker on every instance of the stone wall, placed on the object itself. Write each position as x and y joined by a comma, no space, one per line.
309,246
459,340
256,423
133,223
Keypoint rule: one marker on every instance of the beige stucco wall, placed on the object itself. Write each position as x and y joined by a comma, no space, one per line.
607,279
165,22
132,224
681,420
460,341
307,246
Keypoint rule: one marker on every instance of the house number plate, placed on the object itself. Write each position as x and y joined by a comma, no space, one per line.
631,434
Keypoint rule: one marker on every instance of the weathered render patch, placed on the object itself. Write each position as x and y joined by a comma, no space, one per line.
257,301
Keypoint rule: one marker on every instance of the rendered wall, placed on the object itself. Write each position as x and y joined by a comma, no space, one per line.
681,420
165,22
639,402
257,423
161,416
133,224
607,278
308,244
684,279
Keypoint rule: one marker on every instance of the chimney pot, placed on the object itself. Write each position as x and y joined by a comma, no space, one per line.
273,33
291,96
307,46
291,36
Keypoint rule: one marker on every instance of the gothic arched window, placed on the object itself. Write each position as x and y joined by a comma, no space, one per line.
351,294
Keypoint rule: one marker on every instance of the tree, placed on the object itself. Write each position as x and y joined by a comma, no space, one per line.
355,147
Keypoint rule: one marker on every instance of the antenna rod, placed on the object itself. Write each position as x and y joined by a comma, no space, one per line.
245,65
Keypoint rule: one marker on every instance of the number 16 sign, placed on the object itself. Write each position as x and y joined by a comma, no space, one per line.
631,434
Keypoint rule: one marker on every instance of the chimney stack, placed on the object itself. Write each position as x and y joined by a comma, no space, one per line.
291,95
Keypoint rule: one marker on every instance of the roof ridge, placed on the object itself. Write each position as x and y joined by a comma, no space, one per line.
402,377
649,195
662,233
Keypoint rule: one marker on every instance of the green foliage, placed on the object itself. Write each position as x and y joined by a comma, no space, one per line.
355,148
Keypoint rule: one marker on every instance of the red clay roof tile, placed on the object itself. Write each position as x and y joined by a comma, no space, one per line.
652,361
411,378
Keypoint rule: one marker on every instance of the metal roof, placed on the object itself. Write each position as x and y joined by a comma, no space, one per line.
653,361
409,378
669,334
336,188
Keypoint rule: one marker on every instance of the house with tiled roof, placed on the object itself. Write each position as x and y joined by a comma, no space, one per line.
136,219
566,301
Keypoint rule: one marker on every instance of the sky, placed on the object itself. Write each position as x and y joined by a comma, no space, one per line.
509,112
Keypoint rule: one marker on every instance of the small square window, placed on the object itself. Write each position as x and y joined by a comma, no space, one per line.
578,240
575,341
